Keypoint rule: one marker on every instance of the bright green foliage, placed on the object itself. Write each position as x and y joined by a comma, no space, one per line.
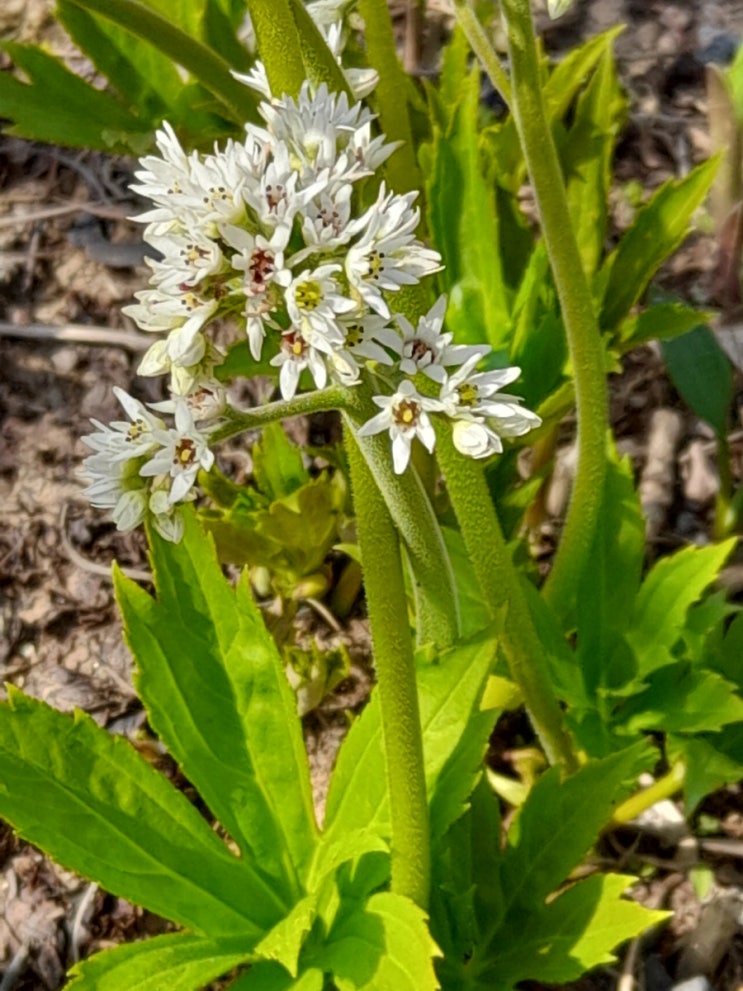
287,522
449,689
136,47
218,697
178,961
109,815
502,918
57,106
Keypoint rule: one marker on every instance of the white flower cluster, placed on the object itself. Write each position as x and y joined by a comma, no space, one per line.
268,232
143,468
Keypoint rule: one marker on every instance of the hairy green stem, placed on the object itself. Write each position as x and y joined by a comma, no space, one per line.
432,575
278,45
238,421
211,70
480,45
391,95
581,325
501,585
396,682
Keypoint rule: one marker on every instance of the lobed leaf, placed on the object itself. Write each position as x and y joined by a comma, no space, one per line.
216,693
95,805
672,586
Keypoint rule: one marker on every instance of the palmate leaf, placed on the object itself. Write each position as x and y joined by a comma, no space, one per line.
577,931
216,693
178,961
530,937
95,805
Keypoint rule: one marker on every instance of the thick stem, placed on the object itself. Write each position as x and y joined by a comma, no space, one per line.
581,326
480,45
432,576
501,585
396,684
278,45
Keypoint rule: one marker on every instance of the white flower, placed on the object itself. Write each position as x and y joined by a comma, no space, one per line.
276,198
206,399
405,416
295,355
473,437
367,336
182,451
387,256
428,349
313,304
481,413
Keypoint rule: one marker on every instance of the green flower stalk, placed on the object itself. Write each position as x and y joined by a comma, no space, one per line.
581,325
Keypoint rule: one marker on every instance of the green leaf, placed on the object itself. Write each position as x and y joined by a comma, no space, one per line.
448,690
660,227
177,961
608,589
712,760
216,693
284,942
554,829
94,804
587,158
277,464
383,946
703,376
272,977
141,74
673,585
660,322
58,107
680,699
474,612
569,75
464,227
577,931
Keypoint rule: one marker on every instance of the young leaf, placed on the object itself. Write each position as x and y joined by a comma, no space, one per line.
383,945
703,375
571,72
59,107
660,322
712,760
95,805
672,586
216,693
277,464
448,692
176,961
